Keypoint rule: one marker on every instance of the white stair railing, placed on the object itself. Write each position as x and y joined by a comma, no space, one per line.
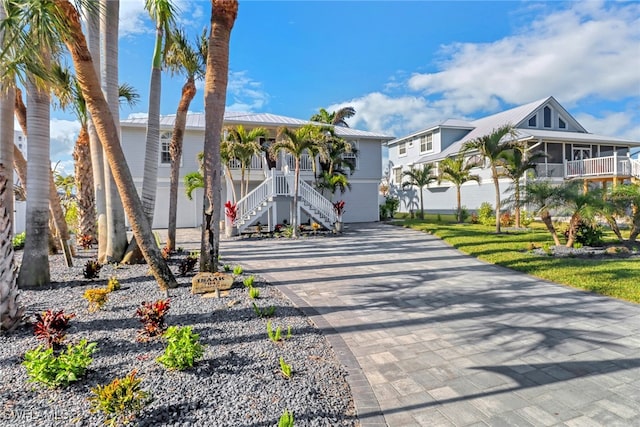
249,204
323,208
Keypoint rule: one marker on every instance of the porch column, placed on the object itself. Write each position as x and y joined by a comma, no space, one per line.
585,186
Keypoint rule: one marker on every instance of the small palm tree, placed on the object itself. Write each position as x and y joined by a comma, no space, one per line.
543,197
579,203
419,177
336,182
243,145
297,143
336,118
628,195
516,163
457,170
491,148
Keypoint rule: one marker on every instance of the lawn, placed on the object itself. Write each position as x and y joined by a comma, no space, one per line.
615,277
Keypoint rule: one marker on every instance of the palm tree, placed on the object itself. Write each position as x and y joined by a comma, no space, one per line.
336,118
7,95
543,197
182,58
579,203
223,16
457,170
244,145
628,195
491,148
333,182
297,142
64,23
163,13
420,177
515,164
10,309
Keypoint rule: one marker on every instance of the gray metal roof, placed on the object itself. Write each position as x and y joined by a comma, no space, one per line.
197,121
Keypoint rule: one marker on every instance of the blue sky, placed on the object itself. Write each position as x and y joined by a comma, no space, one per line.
405,65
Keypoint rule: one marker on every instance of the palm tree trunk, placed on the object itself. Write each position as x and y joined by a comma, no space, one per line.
496,184
223,16
10,309
459,203
573,228
6,142
516,196
84,184
420,189
116,223
97,158
34,270
296,184
611,220
545,216
109,136
175,149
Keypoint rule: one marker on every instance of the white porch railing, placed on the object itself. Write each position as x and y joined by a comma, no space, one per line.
306,162
322,206
600,166
635,168
256,163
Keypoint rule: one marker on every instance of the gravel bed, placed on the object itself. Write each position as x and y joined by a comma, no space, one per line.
238,383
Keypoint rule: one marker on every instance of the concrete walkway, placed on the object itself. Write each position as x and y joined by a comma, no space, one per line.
431,337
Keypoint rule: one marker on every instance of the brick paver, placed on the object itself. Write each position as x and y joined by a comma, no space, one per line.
431,337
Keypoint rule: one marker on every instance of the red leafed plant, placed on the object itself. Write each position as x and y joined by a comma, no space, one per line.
339,208
231,210
51,326
151,315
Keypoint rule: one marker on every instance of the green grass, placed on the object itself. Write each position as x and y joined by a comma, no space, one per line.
615,277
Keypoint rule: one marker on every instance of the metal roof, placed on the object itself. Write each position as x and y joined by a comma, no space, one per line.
197,121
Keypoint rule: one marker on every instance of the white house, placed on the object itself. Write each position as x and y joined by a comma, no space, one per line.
270,179
544,125
19,206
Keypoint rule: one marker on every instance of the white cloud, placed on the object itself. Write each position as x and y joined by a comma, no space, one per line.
622,124
572,54
244,93
63,134
134,19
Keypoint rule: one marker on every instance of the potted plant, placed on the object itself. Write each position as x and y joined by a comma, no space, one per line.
231,211
339,208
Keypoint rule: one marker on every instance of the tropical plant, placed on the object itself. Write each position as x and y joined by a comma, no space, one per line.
254,293
515,163
52,370
543,197
276,336
338,207
285,368
297,143
336,182
248,281
18,240
237,270
264,312
152,315
231,211
182,58
337,118
286,419
457,170
183,348
66,26
491,147
579,203
51,326
223,16
486,214
113,284
121,400
242,145
420,178
97,298
628,196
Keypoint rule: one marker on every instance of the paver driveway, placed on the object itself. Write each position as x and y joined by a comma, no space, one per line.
432,337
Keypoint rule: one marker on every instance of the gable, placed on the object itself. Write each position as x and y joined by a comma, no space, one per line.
551,116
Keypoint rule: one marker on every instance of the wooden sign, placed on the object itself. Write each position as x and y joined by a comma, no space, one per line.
203,283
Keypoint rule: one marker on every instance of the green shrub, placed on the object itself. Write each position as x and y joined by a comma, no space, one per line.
276,336
464,214
52,370
254,293
226,268
526,218
18,240
237,270
486,215
183,348
286,419
248,281
587,234
285,368
266,312
120,400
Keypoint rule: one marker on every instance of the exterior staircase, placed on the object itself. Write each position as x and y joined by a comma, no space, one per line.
281,184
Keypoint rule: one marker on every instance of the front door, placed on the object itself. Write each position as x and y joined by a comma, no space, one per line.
581,152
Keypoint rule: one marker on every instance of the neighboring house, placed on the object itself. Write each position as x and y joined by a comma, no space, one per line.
271,180
543,125
19,206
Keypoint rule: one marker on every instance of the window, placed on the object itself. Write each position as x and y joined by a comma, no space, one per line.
547,117
165,142
402,149
352,157
19,137
398,175
561,123
533,121
426,143
554,152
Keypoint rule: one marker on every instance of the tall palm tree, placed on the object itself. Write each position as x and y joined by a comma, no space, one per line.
223,17
297,142
162,13
244,145
491,148
515,163
182,58
64,23
7,95
543,197
116,221
457,170
10,309
336,118
421,178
